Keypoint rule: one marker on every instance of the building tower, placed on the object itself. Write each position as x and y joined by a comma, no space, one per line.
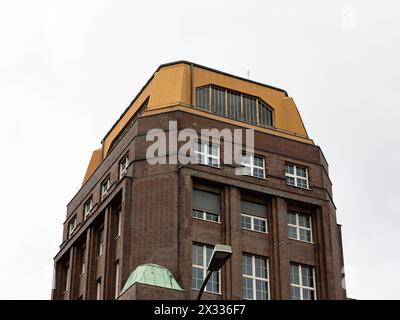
137,230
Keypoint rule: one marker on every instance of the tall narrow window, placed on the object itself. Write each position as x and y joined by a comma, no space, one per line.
123,166
218,100
265,114
201,255
207,154
296,176
249,109
253,216
101,240
255,277
88,206
234,105
83,259
302,282
72,226
105,186
203,98
116,279
118,223
98,289
253,165
299,227
67,277
206,206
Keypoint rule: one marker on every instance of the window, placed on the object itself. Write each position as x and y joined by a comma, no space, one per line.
296,176
299,227
105,186
123,166
88,206
207,154
201,255
101,241
206,206
254,216
118,223
235,105
253,166
98,289
255,277
67,277
302,282
83,259
116,279
72,226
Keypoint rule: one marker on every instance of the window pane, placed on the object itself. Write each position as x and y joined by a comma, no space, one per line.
292,232
294,274
301,183
213,162
197,255
291,181
259,225
197,277
308,294
261,290
289,168
249,109
259,161
248,288
247,265
213,283
234,105
307,277
261,267
246,171
304,221
197,214
296,293
301,172
246,222
246,159
292,218
202,97
265,114
218,101
212,217
259,173
304,235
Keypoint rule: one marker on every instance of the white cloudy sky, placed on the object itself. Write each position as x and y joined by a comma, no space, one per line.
69,68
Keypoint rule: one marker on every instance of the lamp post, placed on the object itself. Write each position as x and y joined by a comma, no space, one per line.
220,255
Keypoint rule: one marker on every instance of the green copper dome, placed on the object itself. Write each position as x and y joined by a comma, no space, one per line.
152,275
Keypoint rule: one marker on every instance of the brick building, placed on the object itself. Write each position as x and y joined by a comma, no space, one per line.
141,231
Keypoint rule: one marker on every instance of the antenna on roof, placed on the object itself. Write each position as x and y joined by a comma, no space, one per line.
248,74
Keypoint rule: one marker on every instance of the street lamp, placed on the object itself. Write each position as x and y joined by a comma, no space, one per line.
220,255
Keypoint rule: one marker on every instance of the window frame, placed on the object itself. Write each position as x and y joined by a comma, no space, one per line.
104,192
252,218
86,212
125,162
298,226
119,223
296,177
300,285
259,104
254,278
252,166
206,154
74,223
83,259
204,268
101,241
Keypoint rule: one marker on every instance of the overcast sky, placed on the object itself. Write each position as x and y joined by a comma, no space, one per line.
68,69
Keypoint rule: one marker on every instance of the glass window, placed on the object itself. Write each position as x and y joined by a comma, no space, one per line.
205,205
207,154
235,105
101,240
299,227
72,226
255,277
201,255
253,216
253,165
123,166
296,176
302,282
105,186
88,206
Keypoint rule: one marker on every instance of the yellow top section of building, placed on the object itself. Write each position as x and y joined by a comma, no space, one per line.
173,87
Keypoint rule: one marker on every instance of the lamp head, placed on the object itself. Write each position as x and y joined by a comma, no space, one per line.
220,255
